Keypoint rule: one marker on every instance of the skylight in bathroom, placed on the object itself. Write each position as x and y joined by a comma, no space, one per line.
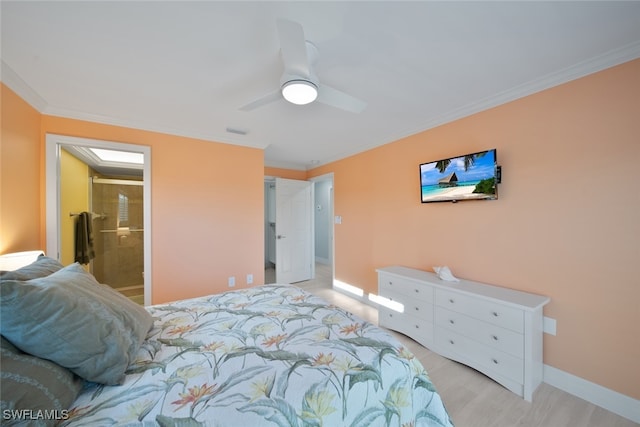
118,156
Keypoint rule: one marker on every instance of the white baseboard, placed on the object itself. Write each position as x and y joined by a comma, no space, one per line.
363,299
610,400
598,395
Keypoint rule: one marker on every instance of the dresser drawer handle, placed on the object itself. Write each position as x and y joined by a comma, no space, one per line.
390,315
495,337
417,326
495,314
452,321
495,361
451,300
451,342
417,291
390,283
417,309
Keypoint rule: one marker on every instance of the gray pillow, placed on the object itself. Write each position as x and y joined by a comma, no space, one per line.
72,320
30,383
41,267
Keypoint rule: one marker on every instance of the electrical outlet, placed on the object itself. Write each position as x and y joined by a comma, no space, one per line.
232,281
549,325
249,279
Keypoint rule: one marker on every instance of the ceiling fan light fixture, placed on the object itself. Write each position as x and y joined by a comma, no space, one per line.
299,92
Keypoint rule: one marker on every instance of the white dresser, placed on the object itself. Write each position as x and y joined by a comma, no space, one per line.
497,331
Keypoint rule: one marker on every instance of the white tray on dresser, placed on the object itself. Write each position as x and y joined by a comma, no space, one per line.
496,330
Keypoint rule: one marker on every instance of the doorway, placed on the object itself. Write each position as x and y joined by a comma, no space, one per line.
122,221
322,229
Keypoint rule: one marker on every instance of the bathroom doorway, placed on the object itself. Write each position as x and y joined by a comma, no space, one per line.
115,192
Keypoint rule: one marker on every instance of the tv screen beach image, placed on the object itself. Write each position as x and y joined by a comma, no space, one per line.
469,177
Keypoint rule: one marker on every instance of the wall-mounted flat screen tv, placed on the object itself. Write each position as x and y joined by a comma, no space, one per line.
470,177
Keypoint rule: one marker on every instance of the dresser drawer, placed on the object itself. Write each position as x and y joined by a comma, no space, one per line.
412,306
483,326
488,311
481,356
488,334
420,310
411,326
387,283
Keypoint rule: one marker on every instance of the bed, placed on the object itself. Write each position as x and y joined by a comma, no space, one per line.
271,355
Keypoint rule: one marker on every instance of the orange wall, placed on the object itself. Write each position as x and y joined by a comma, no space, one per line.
21,162
285,173
207,208
566,225
207,200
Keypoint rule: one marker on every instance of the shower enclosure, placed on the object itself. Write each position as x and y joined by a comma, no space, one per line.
118,235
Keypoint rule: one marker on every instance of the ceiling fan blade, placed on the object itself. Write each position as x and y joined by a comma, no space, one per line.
335,98
267,99
293,47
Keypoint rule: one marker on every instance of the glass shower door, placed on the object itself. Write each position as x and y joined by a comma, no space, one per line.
119,235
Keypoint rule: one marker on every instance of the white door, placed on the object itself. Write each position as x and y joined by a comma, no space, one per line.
294,231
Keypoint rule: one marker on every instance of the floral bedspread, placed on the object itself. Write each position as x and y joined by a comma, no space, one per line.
271,355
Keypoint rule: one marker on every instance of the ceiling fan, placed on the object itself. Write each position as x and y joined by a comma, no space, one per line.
299,83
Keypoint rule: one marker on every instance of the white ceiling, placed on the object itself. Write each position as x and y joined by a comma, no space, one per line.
185,68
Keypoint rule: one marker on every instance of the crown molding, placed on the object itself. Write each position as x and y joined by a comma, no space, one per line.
609,59
277,164
226,138
29,95
19,86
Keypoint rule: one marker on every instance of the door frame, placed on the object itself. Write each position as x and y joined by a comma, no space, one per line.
326,177
321,178
53,145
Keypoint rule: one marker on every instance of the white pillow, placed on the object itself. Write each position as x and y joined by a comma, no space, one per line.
16,260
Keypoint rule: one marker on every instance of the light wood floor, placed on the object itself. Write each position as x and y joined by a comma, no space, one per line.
134,293
472,399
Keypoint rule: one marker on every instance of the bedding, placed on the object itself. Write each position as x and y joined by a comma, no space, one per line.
41,267
16,260
271,355
30,383
72,320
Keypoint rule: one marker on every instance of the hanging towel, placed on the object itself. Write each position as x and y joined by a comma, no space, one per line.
84,239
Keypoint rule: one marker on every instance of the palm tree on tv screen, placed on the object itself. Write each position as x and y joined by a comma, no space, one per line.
469,160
